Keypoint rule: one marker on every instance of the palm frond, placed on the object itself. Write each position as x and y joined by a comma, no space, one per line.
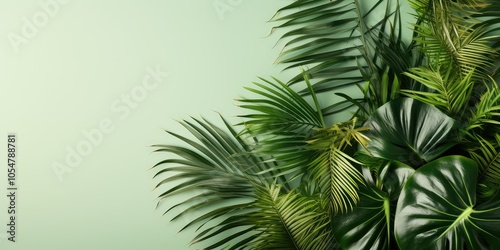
341,46
487,111
291,221
333,170
282,121
450,35
219,175
447,91
319,33
488,158
217,172
490,17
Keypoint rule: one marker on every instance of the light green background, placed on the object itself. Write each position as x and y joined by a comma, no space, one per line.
73,72
65,79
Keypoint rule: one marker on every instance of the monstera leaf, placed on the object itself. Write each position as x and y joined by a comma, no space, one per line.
409,131
437,209
369,225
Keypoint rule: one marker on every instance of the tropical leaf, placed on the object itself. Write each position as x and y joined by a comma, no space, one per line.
370,224
409,131
321,30
341,46
445,89
283,122
488,158
333,170
450,35
290,221
217,172
280,110
490,16
438,209
487,111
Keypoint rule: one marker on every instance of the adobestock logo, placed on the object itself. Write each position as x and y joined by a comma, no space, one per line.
224,6
93,138
31,26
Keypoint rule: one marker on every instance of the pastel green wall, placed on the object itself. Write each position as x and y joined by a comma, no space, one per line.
66,70
69,73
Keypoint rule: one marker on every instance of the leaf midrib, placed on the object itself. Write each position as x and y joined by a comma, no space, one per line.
460,219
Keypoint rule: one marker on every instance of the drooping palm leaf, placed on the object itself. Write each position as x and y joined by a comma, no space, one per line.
283,122
217,172
341,46
318,29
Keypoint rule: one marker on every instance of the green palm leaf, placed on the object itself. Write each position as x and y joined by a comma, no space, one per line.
450,35
333,170
283,122
217,172
488,158
486,112
445,89
290,221
293,133
340,46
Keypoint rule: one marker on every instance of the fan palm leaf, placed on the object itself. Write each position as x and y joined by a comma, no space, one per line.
217,172
283,122
340,47
225,185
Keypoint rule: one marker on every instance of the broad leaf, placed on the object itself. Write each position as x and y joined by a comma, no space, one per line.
370,224
409,131
438,210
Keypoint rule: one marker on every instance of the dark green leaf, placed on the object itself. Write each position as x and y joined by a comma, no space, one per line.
370,224
438,210
409,131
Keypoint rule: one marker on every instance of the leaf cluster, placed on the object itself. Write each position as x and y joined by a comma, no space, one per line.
416,165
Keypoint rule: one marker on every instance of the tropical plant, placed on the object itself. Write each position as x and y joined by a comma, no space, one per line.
416,165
